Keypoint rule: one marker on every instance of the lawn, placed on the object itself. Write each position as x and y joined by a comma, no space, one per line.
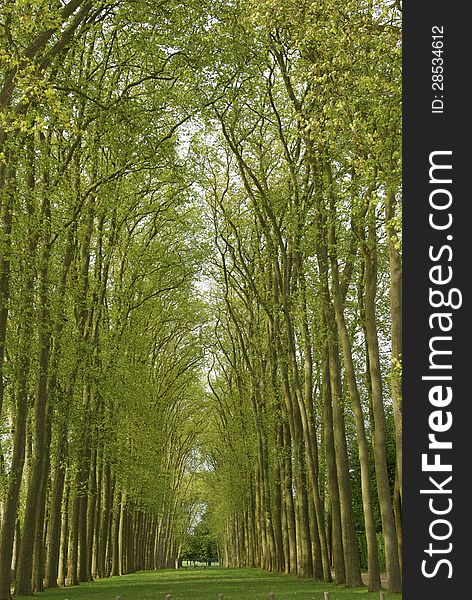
206,584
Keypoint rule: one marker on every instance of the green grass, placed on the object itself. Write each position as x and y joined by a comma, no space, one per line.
206,584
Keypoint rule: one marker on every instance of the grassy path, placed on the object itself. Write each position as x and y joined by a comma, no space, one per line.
206,584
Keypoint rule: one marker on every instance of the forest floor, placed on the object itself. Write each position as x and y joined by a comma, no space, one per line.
207,584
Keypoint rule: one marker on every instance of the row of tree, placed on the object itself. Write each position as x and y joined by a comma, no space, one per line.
99,321
303,183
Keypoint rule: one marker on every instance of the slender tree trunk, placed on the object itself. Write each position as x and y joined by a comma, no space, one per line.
371,535
311,440
351,551
333,486
104,520
10,508
39,538
278,527
121,535
397,511
64,549
13,492
395,292
380,456
7,175
91,510
40,449
54,527
97,542
115,569
73,543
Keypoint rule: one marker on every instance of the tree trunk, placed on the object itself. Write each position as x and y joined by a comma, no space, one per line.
395,294
10,508
54,526
351,551
333,486
371,535
104,519
40,448
64,550
380,456
39,537
7,176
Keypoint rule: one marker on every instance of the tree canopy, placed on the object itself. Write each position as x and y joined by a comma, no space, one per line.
200,288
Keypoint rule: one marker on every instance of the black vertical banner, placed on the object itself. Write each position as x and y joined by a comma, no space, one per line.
437,356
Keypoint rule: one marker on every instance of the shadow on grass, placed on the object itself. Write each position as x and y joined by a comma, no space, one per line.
207,584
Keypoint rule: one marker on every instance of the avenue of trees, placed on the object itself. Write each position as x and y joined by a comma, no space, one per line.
302,178
200,287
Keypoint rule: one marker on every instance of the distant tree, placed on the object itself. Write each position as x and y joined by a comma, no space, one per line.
202,544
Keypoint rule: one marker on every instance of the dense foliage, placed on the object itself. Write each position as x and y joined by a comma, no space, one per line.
200,288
